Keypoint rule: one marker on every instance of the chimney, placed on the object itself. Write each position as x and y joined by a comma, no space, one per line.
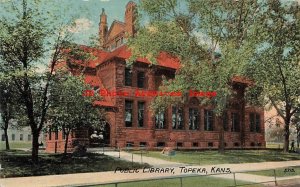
130,17
102,28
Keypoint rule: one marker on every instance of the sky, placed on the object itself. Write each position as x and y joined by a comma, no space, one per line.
84,13
89,16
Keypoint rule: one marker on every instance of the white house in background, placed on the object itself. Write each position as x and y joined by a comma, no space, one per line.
18,135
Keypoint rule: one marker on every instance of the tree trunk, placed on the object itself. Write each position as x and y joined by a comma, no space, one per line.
221,137
6,138
286,135
66,143
35,147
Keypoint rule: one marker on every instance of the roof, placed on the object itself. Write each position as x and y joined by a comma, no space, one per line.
242,80
100,56
103,103
92,80
164,59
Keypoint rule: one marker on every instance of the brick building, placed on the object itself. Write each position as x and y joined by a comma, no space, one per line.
127,100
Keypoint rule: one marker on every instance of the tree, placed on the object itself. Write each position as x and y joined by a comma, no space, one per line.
69,109
209,38
8,106
29,34
276,64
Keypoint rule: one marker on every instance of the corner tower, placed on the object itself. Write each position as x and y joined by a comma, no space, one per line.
130,17
103,28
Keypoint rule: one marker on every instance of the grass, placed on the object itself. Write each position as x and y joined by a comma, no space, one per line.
230,156
280,172
15,145
17,163
204,181
271,145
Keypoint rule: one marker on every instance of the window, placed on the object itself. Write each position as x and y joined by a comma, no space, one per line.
161,144
29,137
141,80
128,77
128,113
141,108
177,118
225,121
179,144
160,120
63,134
3,137
210,144
208,120
254,122
235,122
194,119
195,144
236,144
143,144
257,123
50,134
21,137
56,134
13,137
129,144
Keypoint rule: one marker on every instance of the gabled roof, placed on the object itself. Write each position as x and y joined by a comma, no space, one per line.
164,59
92,80
117,26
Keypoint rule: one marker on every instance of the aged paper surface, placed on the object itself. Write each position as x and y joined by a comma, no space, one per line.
149,93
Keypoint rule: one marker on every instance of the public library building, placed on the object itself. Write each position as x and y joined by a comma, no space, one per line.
130,122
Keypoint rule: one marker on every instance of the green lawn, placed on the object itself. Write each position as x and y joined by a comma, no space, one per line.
15,145
204,181
274,145
230,156
17,163
280,172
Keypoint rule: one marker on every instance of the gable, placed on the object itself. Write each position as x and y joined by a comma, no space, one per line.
116,28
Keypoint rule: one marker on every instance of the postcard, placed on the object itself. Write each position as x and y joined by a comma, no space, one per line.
149,93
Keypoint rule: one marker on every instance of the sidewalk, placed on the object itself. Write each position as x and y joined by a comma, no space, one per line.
106,177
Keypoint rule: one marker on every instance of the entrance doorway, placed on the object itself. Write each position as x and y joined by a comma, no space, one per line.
103,129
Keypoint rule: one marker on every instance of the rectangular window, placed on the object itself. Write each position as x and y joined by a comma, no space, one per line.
161,144
177,118
254,122
141,109
63,134
29,137
128,77
49,134
160,120
56,134
13,137
129,144
235,122
257,123
141,80
21,137
194,119
208,120
128,113
143,144
225,121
